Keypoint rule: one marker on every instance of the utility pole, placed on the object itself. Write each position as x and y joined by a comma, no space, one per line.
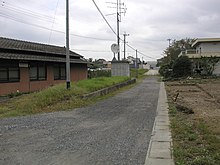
67,47
118,19
136,62
118,33
125,44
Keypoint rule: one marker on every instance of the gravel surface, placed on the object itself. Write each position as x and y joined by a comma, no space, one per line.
112,131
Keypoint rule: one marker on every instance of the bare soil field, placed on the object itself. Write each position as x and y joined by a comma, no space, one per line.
203,97
195,121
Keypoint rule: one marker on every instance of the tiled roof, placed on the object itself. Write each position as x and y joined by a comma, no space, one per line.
29,57
30,51
6,43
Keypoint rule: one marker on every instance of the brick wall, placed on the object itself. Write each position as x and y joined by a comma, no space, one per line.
78,72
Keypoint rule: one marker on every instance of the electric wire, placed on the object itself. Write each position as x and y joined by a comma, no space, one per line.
23,11
33,14
104,17
45,28
53,20
140,52
41,17
86,50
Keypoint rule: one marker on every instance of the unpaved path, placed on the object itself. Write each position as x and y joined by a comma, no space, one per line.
113,131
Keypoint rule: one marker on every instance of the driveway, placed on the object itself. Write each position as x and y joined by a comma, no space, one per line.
116,130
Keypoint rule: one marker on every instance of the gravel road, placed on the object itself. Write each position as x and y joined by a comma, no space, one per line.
112,131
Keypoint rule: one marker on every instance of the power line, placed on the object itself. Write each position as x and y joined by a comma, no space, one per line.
23,11
39,16
146,55
104,17
140,52
53,20
97,51
58,31
94,38
45,28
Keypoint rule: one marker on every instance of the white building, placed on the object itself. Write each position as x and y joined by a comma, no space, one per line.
205,47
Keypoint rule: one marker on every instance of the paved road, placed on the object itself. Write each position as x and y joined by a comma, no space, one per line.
152,72
113,131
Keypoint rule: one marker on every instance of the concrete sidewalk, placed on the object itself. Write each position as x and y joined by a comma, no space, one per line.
159,150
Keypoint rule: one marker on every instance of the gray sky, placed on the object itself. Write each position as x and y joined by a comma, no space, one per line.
149,22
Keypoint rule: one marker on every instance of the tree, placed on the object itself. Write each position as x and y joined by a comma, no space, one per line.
173,66
165,70
175,49
208,64
182,67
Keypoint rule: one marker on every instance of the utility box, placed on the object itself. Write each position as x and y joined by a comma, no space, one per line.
120,68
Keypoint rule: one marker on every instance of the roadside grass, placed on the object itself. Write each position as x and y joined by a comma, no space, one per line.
56,98
99,83
193,142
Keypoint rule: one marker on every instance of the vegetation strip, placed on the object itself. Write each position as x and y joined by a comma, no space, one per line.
56,98
193,142
107,90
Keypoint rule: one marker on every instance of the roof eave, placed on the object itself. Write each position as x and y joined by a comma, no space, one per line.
205,40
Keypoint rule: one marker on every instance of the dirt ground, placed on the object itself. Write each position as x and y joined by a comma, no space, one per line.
202,96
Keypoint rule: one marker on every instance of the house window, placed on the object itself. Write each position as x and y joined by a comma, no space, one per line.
59,72
38,71
9,74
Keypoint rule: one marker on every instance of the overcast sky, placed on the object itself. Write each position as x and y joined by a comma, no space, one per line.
149,22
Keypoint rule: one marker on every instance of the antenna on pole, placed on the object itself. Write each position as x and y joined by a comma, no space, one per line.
118,18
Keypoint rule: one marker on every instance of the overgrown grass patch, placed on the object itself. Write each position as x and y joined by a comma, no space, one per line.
99,83
56,98
193,142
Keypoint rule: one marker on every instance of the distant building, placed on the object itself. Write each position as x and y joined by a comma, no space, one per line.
152,64
27,66
132,62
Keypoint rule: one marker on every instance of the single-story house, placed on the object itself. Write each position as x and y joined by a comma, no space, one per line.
28,66
204,47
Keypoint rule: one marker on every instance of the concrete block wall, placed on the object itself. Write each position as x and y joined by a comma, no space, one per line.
120,68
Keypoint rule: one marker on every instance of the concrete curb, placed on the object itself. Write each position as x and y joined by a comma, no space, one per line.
160,146
107,90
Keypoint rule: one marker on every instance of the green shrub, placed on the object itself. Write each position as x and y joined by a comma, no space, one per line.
99,73
165,70
182,67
